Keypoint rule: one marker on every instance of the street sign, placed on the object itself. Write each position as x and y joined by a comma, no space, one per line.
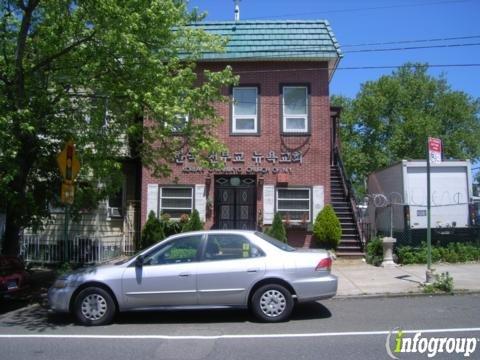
67,193
68,162
435,150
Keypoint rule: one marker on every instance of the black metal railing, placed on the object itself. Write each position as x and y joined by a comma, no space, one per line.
350,195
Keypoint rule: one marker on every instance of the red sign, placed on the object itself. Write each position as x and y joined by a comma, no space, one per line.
435,150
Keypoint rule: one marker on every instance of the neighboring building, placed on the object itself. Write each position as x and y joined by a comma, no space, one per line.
279,130
94,236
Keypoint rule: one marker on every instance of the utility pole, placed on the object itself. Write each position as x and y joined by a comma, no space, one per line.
434,155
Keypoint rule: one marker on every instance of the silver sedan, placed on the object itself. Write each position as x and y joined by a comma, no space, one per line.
205,269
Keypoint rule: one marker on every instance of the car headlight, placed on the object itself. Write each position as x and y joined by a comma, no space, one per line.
60,283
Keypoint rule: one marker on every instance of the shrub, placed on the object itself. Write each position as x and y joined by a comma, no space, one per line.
375,251
152,231
170,227
327,228
452,253
443,282
277,230
194,223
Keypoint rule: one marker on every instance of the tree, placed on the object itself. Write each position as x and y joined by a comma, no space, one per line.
152,231
277,230
89,71
392,117
327,228
194,223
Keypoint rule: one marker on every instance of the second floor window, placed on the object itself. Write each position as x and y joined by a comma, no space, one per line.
295,109
245,110
179,124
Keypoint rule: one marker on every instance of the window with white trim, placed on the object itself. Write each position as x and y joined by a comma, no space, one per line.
176,201
294,204
245,110
295,109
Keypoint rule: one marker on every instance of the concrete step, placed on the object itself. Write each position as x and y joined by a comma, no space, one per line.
348,224
350,242
349,247
349,231
350,254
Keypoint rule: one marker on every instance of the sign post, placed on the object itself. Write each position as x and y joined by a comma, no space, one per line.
434,156
69,166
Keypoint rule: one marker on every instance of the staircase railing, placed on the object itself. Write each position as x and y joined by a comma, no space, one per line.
350,194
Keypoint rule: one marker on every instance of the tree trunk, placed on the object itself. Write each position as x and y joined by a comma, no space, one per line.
18,212
11,243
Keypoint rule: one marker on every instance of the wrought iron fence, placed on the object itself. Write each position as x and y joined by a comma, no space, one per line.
81,249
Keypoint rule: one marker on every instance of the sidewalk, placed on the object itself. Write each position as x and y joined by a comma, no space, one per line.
357,278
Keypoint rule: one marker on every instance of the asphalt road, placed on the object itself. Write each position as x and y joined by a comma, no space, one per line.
333,329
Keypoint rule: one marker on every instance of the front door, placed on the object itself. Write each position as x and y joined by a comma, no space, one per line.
167,277
235,202
231,266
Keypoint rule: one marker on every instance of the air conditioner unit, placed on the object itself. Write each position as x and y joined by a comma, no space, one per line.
114,212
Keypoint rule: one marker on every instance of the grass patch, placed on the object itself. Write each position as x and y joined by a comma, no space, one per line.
442,283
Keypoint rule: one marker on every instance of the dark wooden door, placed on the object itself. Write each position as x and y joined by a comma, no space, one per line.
235,203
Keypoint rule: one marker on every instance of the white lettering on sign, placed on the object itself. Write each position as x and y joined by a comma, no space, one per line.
435,150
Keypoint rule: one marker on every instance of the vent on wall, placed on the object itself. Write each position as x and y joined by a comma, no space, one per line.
114,212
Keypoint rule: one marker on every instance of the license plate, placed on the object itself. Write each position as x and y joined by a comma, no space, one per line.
12,285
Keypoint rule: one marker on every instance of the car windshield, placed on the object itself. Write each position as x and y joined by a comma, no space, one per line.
275,242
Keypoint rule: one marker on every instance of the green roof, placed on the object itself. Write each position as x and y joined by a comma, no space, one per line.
274,40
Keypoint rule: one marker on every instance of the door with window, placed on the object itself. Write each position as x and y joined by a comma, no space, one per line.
167,277
231,265
235,202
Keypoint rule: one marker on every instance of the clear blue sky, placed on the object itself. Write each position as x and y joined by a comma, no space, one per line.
374,21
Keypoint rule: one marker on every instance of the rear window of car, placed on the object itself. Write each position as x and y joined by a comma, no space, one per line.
275,242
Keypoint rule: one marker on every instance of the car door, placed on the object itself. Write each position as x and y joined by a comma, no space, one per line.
167,277
231,264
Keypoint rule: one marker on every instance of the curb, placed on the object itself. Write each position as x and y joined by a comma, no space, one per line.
411,294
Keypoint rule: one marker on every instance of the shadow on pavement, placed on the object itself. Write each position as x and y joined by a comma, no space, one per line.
307,311
35,318
39,319
407,278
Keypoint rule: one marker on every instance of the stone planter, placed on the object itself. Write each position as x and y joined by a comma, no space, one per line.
388,243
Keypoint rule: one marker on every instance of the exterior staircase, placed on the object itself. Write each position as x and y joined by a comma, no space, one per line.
350,244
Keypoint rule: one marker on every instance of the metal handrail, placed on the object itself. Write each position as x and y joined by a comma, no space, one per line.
350,194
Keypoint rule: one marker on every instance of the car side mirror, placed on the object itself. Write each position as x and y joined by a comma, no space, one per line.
139,261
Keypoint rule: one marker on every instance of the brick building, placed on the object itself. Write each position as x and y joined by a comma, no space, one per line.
278,130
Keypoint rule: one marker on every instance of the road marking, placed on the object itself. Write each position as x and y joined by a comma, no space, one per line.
220,337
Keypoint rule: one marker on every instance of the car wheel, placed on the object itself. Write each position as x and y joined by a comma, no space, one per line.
94,306
272,303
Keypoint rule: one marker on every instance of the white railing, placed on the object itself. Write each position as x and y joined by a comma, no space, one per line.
81,249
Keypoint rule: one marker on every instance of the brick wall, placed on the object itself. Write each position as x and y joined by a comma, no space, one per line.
315,147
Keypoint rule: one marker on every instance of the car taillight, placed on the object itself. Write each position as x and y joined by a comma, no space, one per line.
324,264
